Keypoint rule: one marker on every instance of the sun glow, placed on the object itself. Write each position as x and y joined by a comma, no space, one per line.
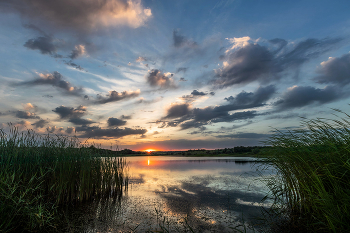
150,150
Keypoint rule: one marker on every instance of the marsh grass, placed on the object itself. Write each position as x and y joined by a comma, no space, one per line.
40,172
311,190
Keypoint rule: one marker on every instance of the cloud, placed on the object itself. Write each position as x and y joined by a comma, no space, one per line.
72,64
45,44
239,42
156,78
246,62
195,93
181,41
114,96
73,114
30,107
126,117
335,70
177,110
51,129
143,101
300,96
40,123
115,122
78,51
68,112
261,95
80,121
287,116
55,79
182,69
25,115
97,132
182,115
244,135
21,125
83,15
48,96
140,59
70,130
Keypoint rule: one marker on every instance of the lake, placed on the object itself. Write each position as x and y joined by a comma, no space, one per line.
178,194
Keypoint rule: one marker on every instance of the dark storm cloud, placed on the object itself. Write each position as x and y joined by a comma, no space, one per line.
261,95
45,44
177,110
115,122
213,116
80,121
96,132
335,70
81,15
254,62
156,78
200,93
300,96
55,79
236,116
246,100
115,96
185,117
25,115
247,64
181,41
68,112
40,123
193,96
73,115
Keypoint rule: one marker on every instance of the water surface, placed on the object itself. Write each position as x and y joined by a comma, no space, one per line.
177,194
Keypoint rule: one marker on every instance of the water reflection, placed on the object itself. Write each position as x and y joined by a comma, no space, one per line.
179,194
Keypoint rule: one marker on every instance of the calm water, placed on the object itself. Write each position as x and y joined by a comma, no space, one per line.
177,194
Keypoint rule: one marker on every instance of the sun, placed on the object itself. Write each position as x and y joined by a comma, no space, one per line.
150,150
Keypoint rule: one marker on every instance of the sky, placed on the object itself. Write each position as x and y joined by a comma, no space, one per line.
172,75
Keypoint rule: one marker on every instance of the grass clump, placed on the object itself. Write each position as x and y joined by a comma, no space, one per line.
311,189
39,173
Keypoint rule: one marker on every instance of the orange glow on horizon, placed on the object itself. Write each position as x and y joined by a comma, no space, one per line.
150,150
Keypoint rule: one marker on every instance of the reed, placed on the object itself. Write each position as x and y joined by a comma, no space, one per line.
311,189
40,172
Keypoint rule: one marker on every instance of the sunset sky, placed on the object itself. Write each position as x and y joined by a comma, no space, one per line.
172,75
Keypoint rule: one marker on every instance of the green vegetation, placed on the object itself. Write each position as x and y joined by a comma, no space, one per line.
311,190
39,173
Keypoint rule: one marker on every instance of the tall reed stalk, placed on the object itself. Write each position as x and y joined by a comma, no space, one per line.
311,190
38,173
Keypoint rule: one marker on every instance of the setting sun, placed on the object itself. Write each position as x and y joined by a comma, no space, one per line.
150,150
